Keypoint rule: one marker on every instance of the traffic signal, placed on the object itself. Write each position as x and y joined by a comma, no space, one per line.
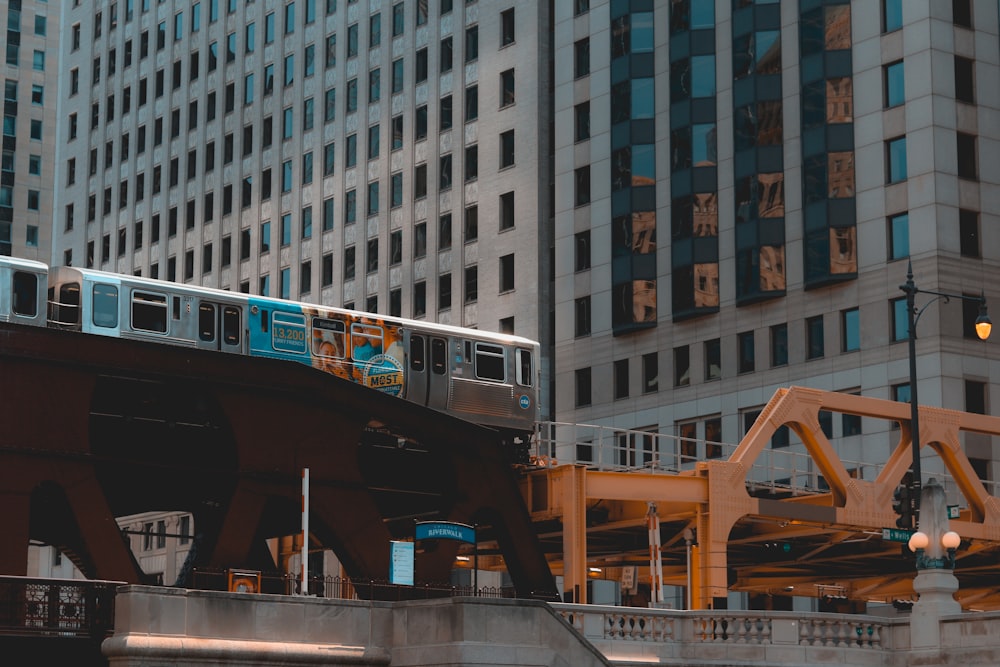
901,505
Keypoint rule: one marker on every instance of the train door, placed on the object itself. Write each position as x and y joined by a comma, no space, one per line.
438,379
101,301
416,370
220,327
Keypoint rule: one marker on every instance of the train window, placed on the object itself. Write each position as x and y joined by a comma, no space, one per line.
67,309
417,353
439,356
231,325
206,321
105,306
366,341
524,367
25,294
288,332
328,338
490,362
149,312
177,308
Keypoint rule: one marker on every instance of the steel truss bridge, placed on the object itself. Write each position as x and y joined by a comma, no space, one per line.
764,521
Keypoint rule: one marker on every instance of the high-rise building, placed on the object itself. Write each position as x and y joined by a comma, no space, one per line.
30,71
740,186
691,204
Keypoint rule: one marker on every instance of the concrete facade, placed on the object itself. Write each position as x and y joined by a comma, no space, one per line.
173,626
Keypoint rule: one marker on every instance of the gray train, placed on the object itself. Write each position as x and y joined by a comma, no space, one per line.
487,378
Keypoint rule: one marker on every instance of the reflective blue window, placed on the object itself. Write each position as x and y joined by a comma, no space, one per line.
895,91
643,98
899,236
896,159
702,76
703,148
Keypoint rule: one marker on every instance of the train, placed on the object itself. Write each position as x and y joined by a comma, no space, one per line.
487,378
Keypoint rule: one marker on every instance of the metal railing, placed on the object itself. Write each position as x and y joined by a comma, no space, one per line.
63,607
343,588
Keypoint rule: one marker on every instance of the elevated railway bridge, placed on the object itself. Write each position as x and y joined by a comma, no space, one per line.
96,428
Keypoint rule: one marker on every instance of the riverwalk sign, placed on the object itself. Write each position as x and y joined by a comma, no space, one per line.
451,530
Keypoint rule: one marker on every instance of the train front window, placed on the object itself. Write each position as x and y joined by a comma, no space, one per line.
231,325
328,338
490,362
25,294
524,367
105,306
417,353
149,312
206,321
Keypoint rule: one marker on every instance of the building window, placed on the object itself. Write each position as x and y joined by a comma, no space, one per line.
899,236
968,231
445,55
713,359
471,103
471,283
471,223
581,58
961,13
582,306
814,337
420,240
895,92
507,273
892,15
966,144
444,232
965,87
895,159
581,242
621,379
975,397
507,149
745,346
850,330
682,366
471,163
444,291
582,185
506,88
582,121
650,373
507,211
471,43
582,387
507,27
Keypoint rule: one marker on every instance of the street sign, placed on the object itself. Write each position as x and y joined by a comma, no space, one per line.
954,512
896,534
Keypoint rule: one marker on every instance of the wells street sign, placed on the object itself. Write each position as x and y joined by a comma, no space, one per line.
896,534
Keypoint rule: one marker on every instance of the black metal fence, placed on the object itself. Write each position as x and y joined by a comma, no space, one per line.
337,588
57,607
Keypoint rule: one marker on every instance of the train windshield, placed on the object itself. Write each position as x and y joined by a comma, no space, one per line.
105,306
65,308
25,294
490,362
524,367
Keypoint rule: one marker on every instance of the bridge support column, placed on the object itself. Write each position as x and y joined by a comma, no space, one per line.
570,485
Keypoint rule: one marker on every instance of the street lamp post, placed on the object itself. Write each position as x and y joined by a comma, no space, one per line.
983,328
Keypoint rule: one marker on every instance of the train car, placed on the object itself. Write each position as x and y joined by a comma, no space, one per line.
487,378
108,304
23,284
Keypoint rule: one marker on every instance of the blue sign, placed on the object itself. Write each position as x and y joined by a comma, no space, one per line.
445,530
524,402
401,563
